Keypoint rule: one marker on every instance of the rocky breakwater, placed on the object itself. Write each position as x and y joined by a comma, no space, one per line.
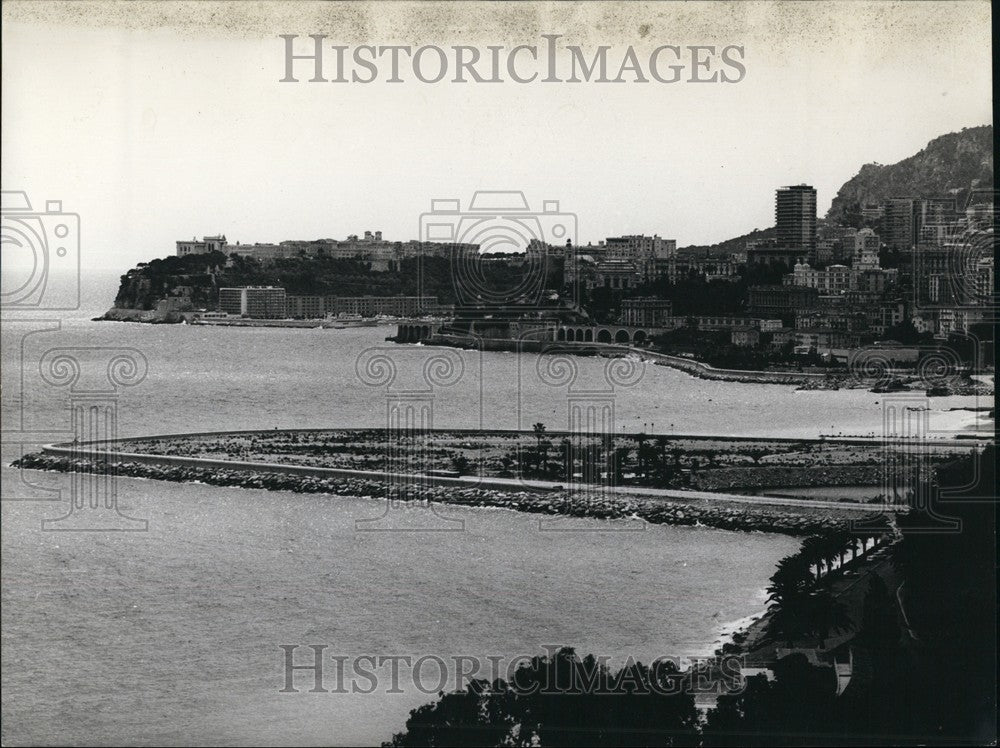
705,371
161,316
931,388
724,515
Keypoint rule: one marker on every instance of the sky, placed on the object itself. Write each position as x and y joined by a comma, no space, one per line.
160,121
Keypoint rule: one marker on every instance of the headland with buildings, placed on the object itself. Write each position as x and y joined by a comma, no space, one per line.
890,286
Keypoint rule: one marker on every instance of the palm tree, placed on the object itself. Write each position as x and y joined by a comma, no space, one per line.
567,452
641,453
790,581
544,445
663,442
539,430
816,551
621,460
647,457
825,614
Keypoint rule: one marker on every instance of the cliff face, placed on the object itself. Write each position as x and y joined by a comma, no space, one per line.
175,284
950,164
194,277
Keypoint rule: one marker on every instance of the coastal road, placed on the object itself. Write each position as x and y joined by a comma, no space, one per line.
675,494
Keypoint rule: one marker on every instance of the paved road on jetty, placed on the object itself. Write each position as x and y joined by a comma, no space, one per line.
668,493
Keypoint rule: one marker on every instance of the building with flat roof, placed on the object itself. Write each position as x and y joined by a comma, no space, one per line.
640,247
781,301
257,302
835,279
231,300
862,247
795,217
769,253
902,223
647,311
304,307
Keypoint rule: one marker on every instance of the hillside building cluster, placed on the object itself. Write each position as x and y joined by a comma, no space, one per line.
380,254
918,259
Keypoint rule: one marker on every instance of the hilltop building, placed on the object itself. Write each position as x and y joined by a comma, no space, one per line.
380,254
203,247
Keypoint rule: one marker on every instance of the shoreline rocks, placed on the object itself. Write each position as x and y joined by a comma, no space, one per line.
147,316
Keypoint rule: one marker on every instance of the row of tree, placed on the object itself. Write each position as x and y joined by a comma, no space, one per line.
654,460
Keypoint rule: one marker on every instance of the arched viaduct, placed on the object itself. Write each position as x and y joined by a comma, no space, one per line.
616,334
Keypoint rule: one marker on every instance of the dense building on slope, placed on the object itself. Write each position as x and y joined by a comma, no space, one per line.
835,279
619,263
908,221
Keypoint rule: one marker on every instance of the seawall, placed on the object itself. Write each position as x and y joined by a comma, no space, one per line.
688,366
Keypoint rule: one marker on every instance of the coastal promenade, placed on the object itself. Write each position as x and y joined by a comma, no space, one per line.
822,379
688,366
